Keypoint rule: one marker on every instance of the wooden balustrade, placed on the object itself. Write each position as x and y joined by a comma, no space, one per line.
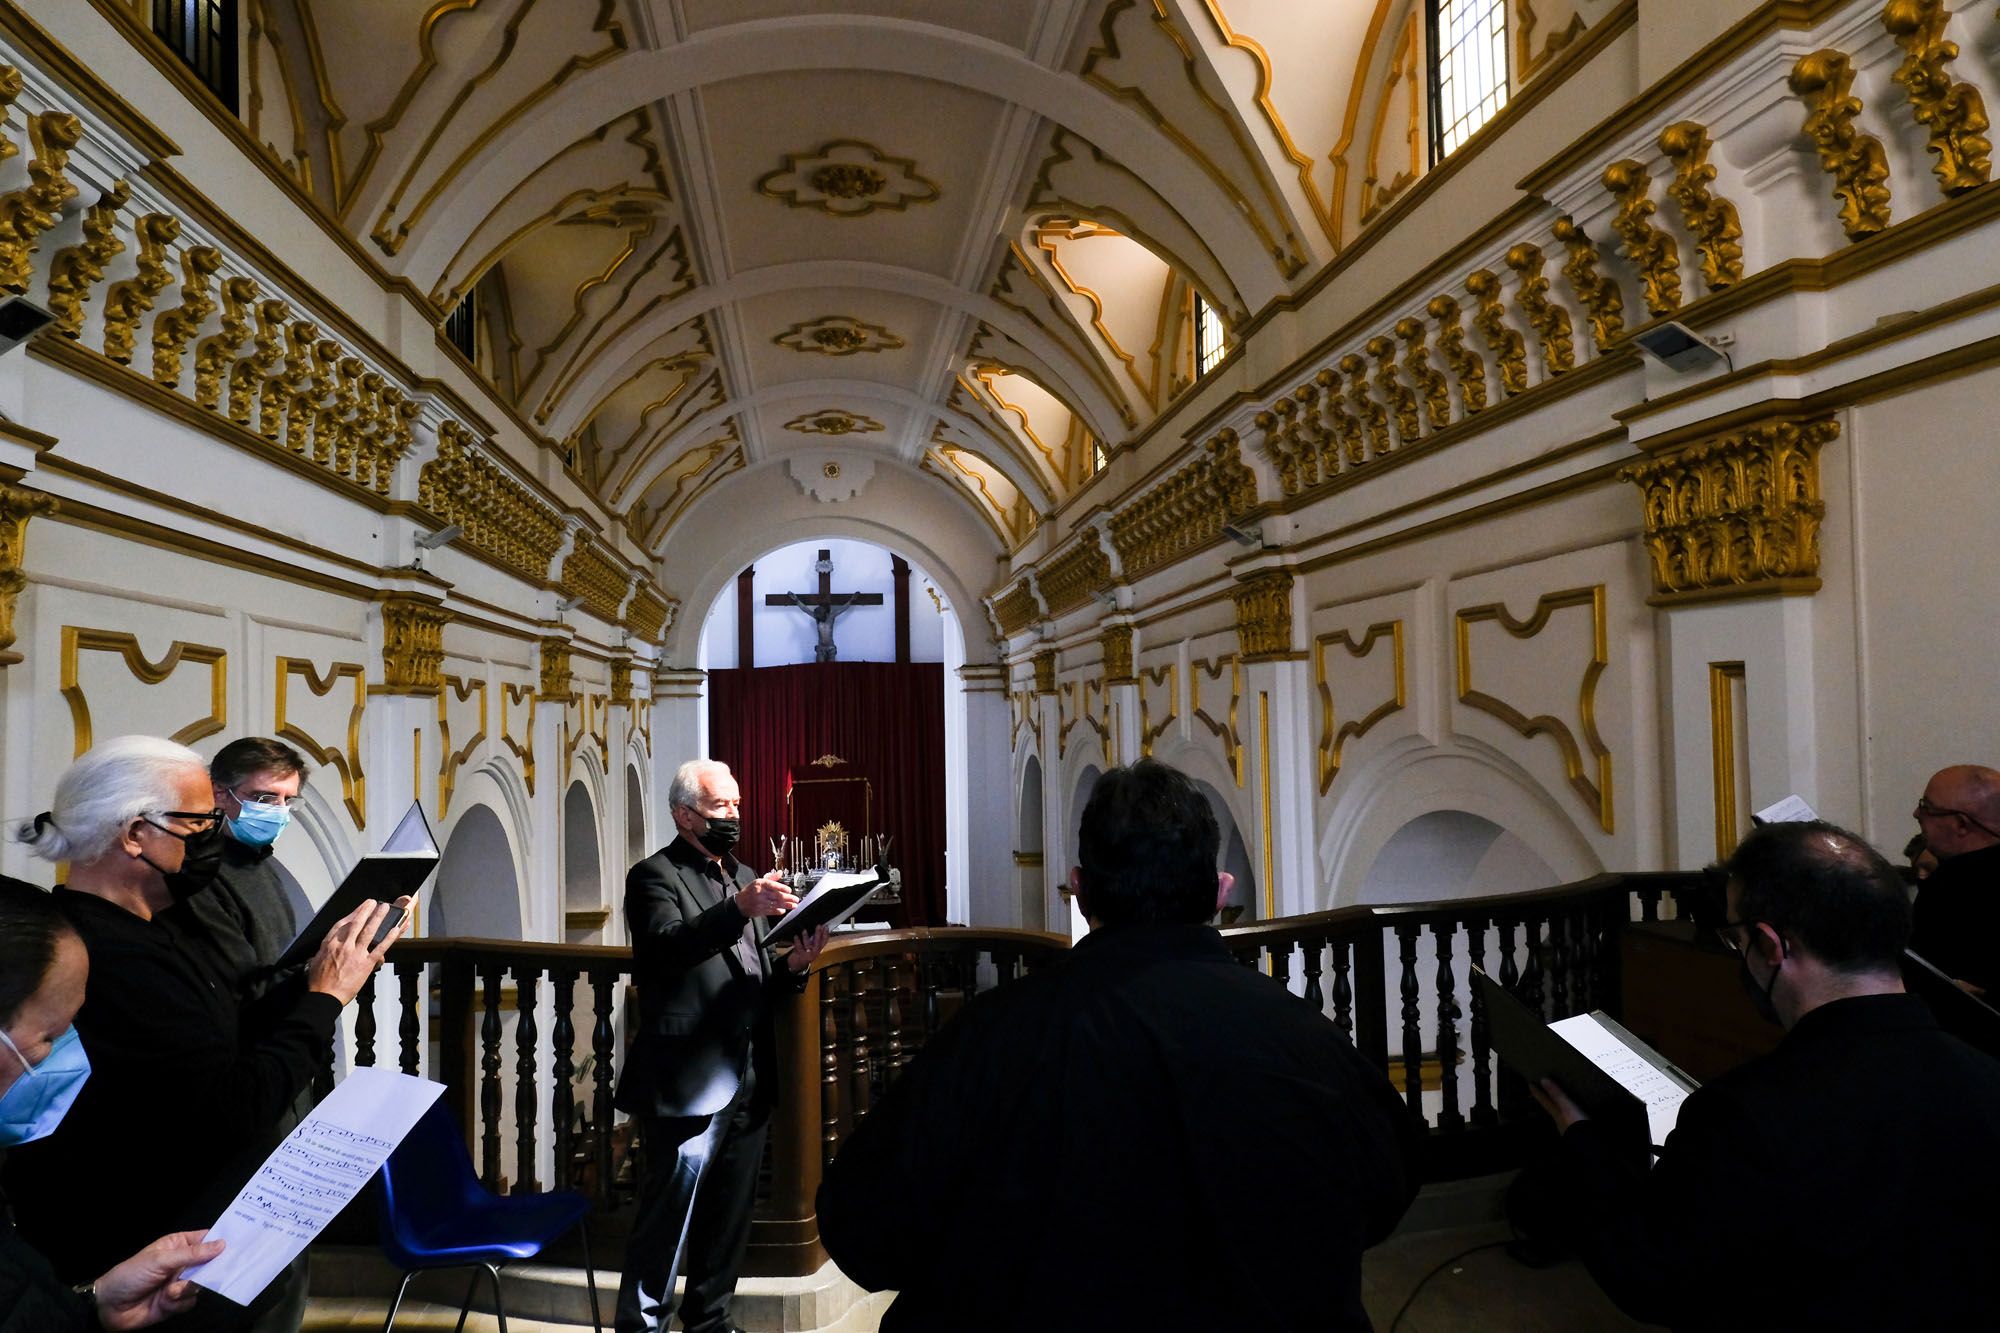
872,1001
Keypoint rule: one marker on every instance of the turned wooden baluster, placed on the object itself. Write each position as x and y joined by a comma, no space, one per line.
894,1057
526,980
832,994
931,977
1482,1040
1649,904
562,1097
859,1066
1559,963
364,1023
489,1081
1449,1116
1281,965
1413,1037
1514,1099
1310,962
602,1044
410,1029
1531,979
1343,991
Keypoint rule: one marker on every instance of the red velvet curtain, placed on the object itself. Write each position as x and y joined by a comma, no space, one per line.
886,718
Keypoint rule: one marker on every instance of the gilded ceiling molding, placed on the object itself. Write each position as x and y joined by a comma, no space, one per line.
1351,119
27,212
216,354
1048,235
1432,388
77,641
637,231
128,301
457,691
833,421
649,613
175,327
1402,402
1016,609
412,644
1855,160
1045,671
557,681
601,582
1595,292
1076,575
1711,220
18,504
1322,208
1547,318
1375,195
77,268
1529,62
1187,511
838,335
1371,414
344,757
1333,739
1737,515
589,346
1093,367
1264,615
986,376
1953,113
846,178
1509,349
1653,253
1116,643
1466,367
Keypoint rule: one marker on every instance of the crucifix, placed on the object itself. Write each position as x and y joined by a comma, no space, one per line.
824,606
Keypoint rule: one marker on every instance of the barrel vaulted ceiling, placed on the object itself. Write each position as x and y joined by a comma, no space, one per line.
708,236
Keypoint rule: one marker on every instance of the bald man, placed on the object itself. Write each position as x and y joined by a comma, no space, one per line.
1958,907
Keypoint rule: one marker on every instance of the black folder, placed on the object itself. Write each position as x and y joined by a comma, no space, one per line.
1965,1016
828,909
406,860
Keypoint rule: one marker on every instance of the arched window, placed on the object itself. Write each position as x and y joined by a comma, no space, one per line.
1210,337
1468,48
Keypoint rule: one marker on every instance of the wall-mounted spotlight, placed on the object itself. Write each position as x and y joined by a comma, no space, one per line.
567,605
20,320
1244,534
444,536
1682,350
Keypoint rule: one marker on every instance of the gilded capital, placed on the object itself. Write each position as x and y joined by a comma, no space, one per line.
1737,515
1045,671
621,680
1117,643
1264,614
17,505
412,644
557,677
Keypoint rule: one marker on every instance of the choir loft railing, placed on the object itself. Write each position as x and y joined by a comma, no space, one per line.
527,1037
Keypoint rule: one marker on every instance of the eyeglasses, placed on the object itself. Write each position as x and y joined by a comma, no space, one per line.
1926,810
267,798
1726,933
203,820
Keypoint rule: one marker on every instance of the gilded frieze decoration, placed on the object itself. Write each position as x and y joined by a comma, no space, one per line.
1954,113
838,335
1264,615
848,179
1599,296
649,613
17,505
1509,348
412,644
1187,511
1402,402
1016,609
621,682
1116,643
1374,418
557,681
27,212
1855,159
77,268
1466,366
175,327
1334,733
502,518
1076,575
342,755
1711,220
833,421
1653,253
1045,671
1433,390
517,727
1224,728
457,692
77,640
590,573
1294,437
1738,515
1161,684
215,355
128,301
1346,448
1547,318
1586,761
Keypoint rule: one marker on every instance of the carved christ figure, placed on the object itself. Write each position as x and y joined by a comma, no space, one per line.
824,606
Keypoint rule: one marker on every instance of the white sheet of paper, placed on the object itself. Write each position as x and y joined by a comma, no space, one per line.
1791,810
1636,1074
831,880
311,1176
412,835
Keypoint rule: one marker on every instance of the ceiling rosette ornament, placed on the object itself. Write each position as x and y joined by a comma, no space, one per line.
848,179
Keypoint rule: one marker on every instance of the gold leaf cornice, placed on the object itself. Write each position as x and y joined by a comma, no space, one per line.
1073,577
1333,740
1264,614
412,644
18,504
502,518
591,574
344,759
1954,113
1016,609
1549,320
1045,671
77,640
557,679
1596,293
649,614
1652,252
1116,643
1717,230
1465,364
1856,161
1187,511
1735,516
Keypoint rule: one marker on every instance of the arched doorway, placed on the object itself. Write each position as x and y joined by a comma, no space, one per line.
1062,909
1452,854
1028,867
637,848
1245,902
584,912
478,894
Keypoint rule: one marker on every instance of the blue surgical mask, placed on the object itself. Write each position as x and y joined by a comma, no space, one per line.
42,1094
259,825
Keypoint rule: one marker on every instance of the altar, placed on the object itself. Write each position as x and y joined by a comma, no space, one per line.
832,822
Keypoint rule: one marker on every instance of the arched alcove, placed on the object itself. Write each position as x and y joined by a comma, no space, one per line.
636,846
1452,854
1059,907
477,894
1028,850
1245,902
583,872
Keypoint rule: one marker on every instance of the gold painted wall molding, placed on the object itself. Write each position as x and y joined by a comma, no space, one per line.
1376,193
345,758
1225,730
1590,775
412,644
1953,112
1653,253
1509,349
557,681
1333,738
1711,220
1737,515
1596,293
18,504
1150,680
79,267
1725,681
1264,615
456,690
78,640
27,212
1549,320
1855,160
1045,671
519,702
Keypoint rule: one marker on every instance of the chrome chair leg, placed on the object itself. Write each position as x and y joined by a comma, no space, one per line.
590,1277
397,1304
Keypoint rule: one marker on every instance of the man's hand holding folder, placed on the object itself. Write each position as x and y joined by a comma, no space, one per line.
355,947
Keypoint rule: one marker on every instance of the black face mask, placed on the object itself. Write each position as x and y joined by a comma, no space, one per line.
201,858
1760,996
721,835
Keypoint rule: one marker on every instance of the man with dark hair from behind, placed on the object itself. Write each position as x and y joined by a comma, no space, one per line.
1844,1181
1144,1134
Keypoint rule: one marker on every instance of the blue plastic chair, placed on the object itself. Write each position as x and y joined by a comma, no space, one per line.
437,1214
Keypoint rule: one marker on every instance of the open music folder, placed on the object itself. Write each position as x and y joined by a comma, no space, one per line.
838,896
405,861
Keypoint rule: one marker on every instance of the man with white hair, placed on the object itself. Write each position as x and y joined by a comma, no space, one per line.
182,1103
1957,922
701,1072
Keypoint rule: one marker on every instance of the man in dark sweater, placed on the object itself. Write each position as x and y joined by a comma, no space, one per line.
1143,1135
1958,905
1844,1181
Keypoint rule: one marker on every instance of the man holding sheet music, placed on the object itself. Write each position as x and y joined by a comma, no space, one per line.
1846,1180
701,1069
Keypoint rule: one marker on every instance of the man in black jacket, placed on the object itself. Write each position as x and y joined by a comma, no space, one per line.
701,1069
1143,1135
1957,924
1844,1181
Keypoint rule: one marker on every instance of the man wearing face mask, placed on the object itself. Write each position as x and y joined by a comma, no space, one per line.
702,1069
182,1103
1844,1181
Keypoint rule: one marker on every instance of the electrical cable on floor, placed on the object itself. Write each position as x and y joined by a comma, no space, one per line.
1426,1279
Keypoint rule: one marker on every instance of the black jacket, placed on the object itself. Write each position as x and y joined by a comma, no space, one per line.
1142,1135
703,1017
1955,926
245,915
32,1298
1844,1181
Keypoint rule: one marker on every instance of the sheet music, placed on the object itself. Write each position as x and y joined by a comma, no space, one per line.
1791,810
831,880
1634,1072
411,836
311,1176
